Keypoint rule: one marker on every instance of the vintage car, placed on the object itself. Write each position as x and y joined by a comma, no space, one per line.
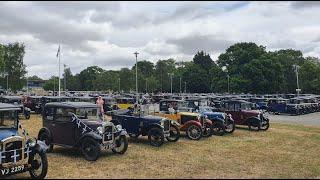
277,105
261,103
194,124
125,102
242,113
77,125
222,122
17,100
33,103
48,99
156,128
88,99
18,152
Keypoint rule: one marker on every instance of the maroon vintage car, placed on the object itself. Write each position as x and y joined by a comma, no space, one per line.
242,113
77,125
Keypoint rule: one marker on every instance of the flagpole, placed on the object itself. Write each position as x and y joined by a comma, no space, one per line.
59,69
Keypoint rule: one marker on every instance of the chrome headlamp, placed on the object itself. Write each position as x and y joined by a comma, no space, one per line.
119,127
100,129
32,142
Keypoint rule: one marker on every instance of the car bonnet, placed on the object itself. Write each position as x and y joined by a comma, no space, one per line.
5,133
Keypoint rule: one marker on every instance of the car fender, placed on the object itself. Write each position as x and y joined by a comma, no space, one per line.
189,123
90,135
214,120
209,121
46,130
41,146
174,123
154,126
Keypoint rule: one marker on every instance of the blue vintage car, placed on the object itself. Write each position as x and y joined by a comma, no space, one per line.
277,105
222,123
18,153
156,128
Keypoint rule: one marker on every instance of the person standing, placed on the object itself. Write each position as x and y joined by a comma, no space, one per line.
100,103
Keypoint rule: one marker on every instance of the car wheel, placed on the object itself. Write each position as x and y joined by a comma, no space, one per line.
194,132
46,139
230,127
155,137
265,125
218,129
27,115
121,145
90,149
174,134
39,164
208,131
254,124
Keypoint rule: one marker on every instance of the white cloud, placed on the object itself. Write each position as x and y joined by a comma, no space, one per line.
107,33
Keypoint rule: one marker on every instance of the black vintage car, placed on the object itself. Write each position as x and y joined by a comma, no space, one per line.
77,124
48,99
18,152
156,128
17,100
33,103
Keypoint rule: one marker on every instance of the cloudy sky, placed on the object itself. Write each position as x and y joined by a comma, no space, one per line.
107,33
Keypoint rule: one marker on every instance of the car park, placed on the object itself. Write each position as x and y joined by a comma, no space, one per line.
18,152
77,125
194,124
242,114
17,100
156,128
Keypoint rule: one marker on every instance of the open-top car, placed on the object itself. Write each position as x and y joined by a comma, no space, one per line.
156,128
17,100
18,152
222,122
242,113
194,124
77,124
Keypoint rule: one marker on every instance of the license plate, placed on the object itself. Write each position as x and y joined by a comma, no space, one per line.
12,170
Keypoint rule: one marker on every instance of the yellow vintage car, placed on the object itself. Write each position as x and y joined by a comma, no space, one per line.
195,125
125,102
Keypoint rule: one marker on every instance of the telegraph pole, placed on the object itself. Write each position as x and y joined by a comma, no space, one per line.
296,67
185,87
65,77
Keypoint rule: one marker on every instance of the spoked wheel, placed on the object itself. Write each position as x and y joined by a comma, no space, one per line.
230,127
207,131
46,139
254,125
155,137
90,149
121,145
265,125
39,164
194,132
218,129
174,134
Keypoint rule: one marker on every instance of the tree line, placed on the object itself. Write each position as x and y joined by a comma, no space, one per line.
250,68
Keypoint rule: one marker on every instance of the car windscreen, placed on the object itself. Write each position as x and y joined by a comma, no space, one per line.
87,113
8,119
246,106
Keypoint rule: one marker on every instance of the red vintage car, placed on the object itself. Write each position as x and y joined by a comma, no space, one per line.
242,113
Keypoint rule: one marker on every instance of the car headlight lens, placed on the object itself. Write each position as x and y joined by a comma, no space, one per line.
100,130
32,142
119,127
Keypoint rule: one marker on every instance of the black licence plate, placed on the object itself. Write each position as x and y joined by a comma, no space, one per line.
13,170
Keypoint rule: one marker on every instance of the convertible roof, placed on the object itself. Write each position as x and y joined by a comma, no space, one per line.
72,104
6,107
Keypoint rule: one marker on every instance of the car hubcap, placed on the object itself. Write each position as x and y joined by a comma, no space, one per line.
194,132
37,165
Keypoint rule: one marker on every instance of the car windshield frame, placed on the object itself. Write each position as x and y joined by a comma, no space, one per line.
4,116
92,113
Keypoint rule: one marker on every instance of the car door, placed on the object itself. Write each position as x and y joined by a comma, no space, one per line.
131,124
64,129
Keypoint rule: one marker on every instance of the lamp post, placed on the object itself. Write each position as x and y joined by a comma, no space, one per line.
185,87
119,84
64,77
296,67
136,54
171,74
180,85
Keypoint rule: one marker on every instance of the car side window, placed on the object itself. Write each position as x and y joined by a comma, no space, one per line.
62,114
49,112
237,107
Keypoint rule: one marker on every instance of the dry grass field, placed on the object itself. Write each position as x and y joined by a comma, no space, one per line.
284,151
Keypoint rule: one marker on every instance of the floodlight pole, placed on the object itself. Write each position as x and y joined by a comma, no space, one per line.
180,85
136,54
